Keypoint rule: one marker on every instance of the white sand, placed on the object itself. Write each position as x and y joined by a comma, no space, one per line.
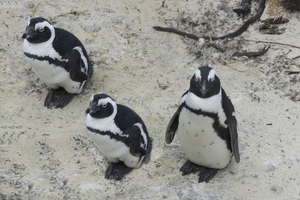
47,154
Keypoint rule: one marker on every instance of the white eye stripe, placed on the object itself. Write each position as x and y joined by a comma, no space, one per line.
212,74
101,102
104,102
42,25
197,75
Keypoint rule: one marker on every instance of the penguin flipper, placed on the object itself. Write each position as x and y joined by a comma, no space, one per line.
135,142
91,69
117,171
172,127
75,65
58,98
232,124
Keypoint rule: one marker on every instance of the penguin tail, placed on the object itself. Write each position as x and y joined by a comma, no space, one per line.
149,148
91,69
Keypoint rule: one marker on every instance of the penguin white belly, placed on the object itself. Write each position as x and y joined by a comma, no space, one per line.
200,142
109,147
49,73
54,76
114,150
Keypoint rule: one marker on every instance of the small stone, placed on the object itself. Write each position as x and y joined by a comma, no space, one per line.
288,162
52,179
270,168
18,183
29,4
277,189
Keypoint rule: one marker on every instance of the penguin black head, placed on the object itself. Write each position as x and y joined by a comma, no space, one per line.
101,106
205,82
38,30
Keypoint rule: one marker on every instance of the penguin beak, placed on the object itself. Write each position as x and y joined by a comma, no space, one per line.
30,32
92,108
203,88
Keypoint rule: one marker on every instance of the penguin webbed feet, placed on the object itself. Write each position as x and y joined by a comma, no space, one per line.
189,167
117,171
58,98
205,175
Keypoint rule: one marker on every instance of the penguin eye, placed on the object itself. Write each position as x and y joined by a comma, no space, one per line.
104,105
41,29
197,79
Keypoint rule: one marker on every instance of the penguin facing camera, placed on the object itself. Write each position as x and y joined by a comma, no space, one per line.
205,125
119,133
58,58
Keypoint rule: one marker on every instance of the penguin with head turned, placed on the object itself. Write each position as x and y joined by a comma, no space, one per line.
58,58
205,125
119,133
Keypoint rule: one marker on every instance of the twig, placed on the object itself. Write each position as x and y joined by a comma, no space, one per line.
279,20
259,41
292,72
296,57
39,5
218,47
252,54
230,64
178,32
70,13
230,35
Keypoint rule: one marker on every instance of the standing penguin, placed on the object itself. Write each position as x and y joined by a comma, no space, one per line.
58,58
206,126
119,133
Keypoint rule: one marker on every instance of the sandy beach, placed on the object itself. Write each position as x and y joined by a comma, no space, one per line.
47,153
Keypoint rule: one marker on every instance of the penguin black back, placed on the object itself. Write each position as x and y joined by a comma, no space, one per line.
65,41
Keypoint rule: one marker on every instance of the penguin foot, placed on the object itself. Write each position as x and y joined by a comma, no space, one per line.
207,174
58,98
117,171
189,167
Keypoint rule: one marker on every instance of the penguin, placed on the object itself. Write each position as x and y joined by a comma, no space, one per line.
58,58
205,125
119,133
